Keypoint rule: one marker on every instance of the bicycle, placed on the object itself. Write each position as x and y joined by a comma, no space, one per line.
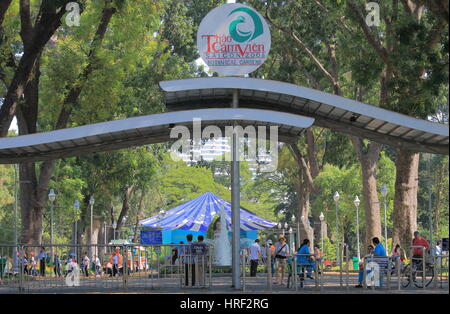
418,276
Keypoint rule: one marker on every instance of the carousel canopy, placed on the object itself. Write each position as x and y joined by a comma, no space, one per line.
197,214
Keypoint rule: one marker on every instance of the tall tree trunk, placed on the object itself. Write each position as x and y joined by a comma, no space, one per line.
405,201
368,157
34,194
138,215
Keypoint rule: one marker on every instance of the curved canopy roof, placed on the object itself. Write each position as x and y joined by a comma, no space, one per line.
107,136
198,213
330,111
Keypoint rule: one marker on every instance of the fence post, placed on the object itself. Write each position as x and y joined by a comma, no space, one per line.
340,264
294,272
210,269
424,269
388,281
20,249
316,272
269,268
244,268
125,266
346,266
399,265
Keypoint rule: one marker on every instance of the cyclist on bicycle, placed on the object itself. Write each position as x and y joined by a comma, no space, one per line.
417,253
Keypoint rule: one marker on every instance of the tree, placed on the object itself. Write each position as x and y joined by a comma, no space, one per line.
412,43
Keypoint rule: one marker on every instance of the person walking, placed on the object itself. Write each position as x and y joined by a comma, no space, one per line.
42,257
56,265
272,255
98,265
33,264
25,264
86,263
200,250
115,264
281,254
189,261
255,255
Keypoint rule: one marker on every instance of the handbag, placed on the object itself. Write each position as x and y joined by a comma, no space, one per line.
278,255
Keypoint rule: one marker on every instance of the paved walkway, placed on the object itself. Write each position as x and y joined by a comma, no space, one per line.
142,283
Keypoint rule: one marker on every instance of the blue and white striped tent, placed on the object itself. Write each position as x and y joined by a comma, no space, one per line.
197,214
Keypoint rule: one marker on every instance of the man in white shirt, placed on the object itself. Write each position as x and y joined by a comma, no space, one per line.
255,254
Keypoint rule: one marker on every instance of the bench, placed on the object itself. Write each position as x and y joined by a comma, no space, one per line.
386,264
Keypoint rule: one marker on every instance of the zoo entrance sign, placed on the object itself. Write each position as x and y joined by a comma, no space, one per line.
233,40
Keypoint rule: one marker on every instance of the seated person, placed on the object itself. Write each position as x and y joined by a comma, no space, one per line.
303,260
370,249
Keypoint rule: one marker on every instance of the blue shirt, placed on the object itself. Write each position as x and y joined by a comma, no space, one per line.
303,259
379,250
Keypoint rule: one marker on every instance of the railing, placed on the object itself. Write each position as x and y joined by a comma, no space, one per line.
120,267
28,268
312,263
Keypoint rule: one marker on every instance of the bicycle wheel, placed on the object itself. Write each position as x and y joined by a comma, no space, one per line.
405,276
419,279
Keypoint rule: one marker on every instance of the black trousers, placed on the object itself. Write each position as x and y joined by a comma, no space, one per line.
253,267
57,270
189,268
42,267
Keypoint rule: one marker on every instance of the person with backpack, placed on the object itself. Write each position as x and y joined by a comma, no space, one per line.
281,254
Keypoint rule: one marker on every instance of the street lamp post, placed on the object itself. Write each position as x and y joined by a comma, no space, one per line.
114,225
336,200
292,240
430,212
357,202
76,205
384,191
51,197
321,218
16,200
91,202
294,220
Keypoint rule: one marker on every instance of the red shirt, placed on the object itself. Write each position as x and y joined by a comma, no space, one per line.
422,242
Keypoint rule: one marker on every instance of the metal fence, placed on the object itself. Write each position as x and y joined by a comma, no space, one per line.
103,268
28,268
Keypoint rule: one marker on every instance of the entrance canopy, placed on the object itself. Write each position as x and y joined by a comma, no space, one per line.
197,215
144,130
329,111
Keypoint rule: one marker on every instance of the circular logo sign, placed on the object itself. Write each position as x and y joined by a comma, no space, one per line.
233,39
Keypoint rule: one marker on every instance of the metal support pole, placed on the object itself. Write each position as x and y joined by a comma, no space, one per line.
338,239
340,245
235,203
321,236
76,238
347,272
430,212
90,236
294,271
16,200
385,225
269,267
51,229
357,233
